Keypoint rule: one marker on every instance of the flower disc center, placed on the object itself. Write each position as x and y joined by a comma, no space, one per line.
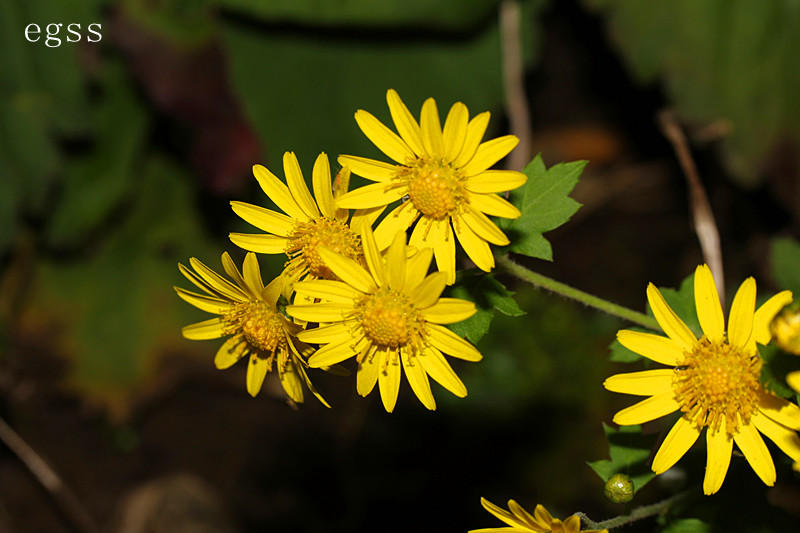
434,188
388,318
337,236
717,382
260,325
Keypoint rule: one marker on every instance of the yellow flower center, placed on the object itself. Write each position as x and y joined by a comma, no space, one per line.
717,382
435,188
307,236
389,319
260,324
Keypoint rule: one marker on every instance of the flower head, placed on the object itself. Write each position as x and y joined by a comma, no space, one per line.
443,176
541,521
306,224
785,328
387,315
714,382
248,315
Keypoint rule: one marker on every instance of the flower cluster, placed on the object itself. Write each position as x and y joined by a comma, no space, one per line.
347,290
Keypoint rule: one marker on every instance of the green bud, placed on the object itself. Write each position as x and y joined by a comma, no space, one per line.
619,488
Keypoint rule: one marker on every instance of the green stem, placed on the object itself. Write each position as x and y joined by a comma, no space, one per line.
538,280
644,511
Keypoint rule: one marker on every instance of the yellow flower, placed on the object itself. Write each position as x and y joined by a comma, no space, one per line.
387,315
308,223
248,314
785,328
541,521
444,177
714,382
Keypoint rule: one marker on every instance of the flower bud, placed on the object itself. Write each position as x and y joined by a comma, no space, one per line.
785,329
619,488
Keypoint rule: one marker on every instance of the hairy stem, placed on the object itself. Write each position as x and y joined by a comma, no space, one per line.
644,511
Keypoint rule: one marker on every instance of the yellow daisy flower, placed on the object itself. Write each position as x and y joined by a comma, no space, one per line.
713,382
247,314
387,315
307,222
443,175
541,521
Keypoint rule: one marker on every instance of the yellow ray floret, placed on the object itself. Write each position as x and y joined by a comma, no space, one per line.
388,315
444,178
541,521
307,222
714,382
248,316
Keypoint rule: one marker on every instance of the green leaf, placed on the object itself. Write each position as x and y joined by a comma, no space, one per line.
489,295
628,450
687,525
785,259
544,204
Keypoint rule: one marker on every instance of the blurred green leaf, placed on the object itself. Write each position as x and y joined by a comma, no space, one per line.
489,295
785,259
628,450
687,525
719,60
544,204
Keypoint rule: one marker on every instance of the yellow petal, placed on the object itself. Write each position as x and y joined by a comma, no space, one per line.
427,293
388,381
766,313
405,122
483,227
743,308
369,168
341,184
329,312
333,334
205,303
503,515
417,266
369,196
655,347
418,379
431,129
449,311
493,181
252,275
793,380
440,370
297,185
451,344
709,310
291,381
330,354
272,291
396,261
455,131
262,244
347,270
321,181
669,321
645,383
201,331
327,290
230,352
217,283
367,375
677,442
755,451
444,248
783,437
493,205
489,153
475,130
385,139
278,193
365,217
779,410
256,372
647,410
231,270
720,446
477,249
264,219
372,255
395,222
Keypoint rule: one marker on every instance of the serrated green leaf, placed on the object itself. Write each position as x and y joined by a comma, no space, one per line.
687,525
785,259
544,204
489,295
628,450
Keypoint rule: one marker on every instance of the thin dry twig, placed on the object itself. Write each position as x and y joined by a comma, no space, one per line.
78,517
513,81
704,224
